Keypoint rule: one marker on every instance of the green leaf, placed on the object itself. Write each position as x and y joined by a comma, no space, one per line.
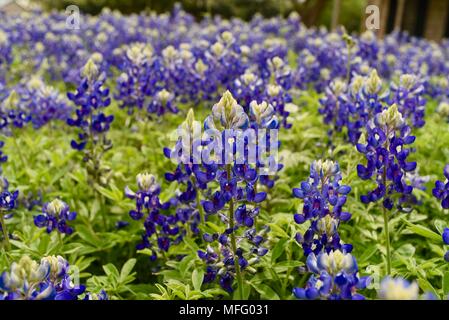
278,249
423,231
126,269
110,194
265,291
368,253
197,279
111,270
88,235
427,287
446,283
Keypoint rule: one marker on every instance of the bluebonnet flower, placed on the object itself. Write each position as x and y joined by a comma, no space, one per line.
5,54
220,259
247,87
47,280
441,190
161,231
335,277
121,224
445,237
3,157
44,103
102,295
324,197
234,249
163,101
398,289
408,95
91,98
386,154
8,201
55,215
227,114
192,177
353,107
12,113
133,83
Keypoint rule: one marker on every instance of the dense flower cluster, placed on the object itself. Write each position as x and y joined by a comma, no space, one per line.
351,107
92,98
335,277
334,269
47,280
13,113
43,103
161,231
236,200
5,54
373,92
55,215
323,197
386,154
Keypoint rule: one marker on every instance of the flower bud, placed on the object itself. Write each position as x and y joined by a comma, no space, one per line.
90,70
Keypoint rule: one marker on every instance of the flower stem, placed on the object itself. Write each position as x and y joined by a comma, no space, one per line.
102,212
198,203
5,232
61,243
387,233
233,241
387,238
18,149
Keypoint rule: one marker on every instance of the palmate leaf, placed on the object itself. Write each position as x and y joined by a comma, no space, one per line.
197,278
126,269
423,231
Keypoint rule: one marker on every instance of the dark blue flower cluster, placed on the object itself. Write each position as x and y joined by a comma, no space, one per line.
334,269
335,277
5,54
323,197
352,107
236,201
43,103
8,201
13,113
55,215
141,81
47,280
161,230
445,237
91,98
441,190
386,154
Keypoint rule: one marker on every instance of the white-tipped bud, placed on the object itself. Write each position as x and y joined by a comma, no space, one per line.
273,90
200,67
373,83
217,49
391,117
90,70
